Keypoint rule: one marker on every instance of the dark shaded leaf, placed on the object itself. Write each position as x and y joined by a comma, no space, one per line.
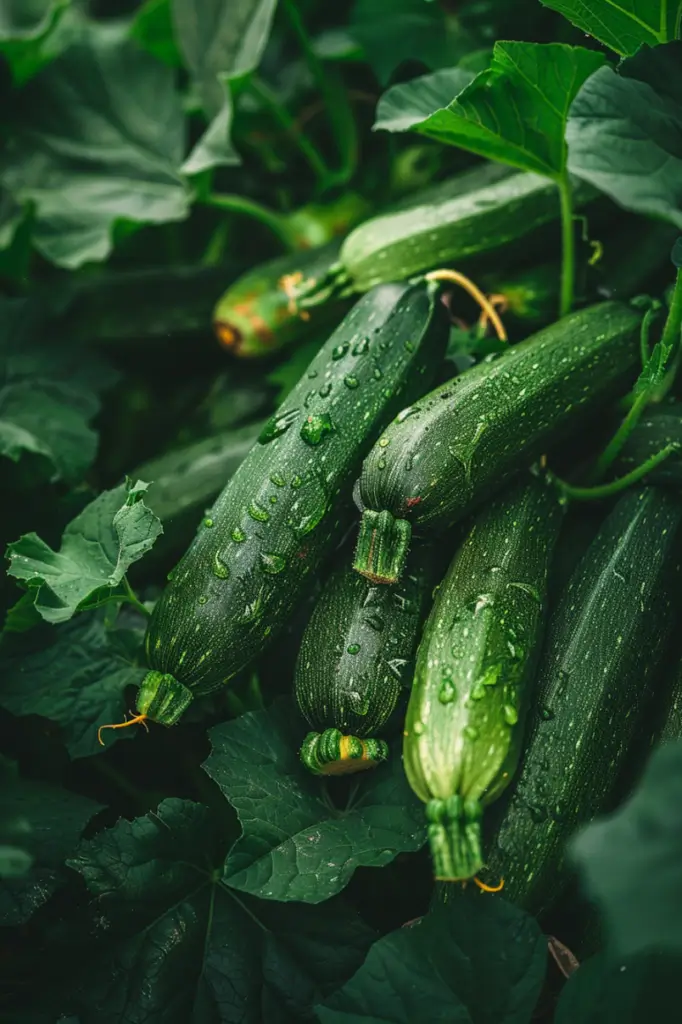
631,862
624,132
475,960
76,677
608,991
152,28
296,845
624,25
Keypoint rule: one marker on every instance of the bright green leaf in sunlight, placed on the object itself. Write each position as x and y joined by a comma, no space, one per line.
44,823
75,675
623,25
631,862
98,547
296,845
606,990
625,129
472,959
97,137
514,112
173,943
412,31
219,42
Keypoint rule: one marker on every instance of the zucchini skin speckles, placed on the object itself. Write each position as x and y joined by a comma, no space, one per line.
605,640
444,454
475,669
355,663
284,508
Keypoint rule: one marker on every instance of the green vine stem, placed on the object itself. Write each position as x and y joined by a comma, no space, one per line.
571,492
567,245
132,598
307,148
275,222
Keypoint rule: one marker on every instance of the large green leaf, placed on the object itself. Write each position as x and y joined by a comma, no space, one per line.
296,845
624,25
219,42
49,394
404,107
174,944
412,31
631,862
609,991
34,32
152,28
625,129
97,137
75,675
473,961
514,112
44,823
98,547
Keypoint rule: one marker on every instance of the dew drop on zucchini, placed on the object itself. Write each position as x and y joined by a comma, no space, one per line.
257,512
316,427
238,535
353,648
340,351
272,564
219,568
277,425
351,382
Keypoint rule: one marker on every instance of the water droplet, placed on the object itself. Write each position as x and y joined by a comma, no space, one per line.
361,347
447,693
409,346
316,427
404,413
272,564
171,576
325,390
278,480
351,382
470,732
257,512
208,523
296,481
546,714
375,622
340,351
479,691
312,374
510,714
353,648
376,373
381,464
273,499
202,599
387,393
219,568
238,535
418,728
277,425
384,442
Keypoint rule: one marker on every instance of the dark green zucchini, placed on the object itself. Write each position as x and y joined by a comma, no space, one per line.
475,667
355,660
257,314
283,509
658,427
441,456
458,222
605,639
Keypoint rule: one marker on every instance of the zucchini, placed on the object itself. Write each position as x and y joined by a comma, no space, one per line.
441,456
281,512
472,215
605,640
475,667
355,660
257,315
658,427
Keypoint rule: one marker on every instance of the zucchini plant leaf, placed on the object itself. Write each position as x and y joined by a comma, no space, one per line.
403,106
514,112
623,25
98,547
102,95
605,990
32,33
413,30
42,824
172,943
624,129
152,28
296,845
631,862
75,675
475,959
219,42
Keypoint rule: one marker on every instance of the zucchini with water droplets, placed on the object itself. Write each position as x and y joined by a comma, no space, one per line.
605,640
445,453
282,511
355,661
475,668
